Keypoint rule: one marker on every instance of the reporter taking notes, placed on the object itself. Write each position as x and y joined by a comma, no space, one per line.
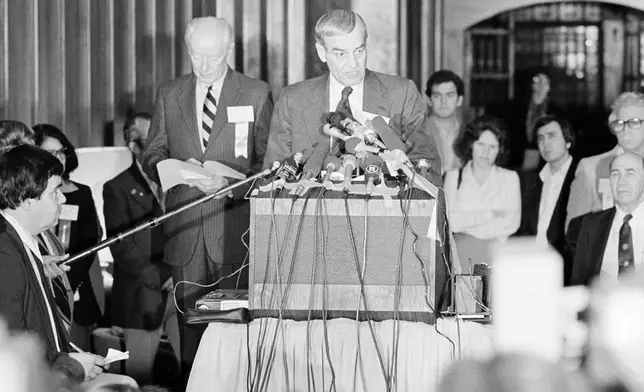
341,42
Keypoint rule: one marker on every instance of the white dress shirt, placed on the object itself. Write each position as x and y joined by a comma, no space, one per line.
31,247
488,211
355,98
200,96
445,138
610,261
552,184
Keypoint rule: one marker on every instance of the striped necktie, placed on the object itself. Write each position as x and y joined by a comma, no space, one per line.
208,118
63,294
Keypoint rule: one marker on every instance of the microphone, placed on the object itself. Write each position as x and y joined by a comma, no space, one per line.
354,145
313,166
349,162
423,166
372,166
387,134
354,128
331,163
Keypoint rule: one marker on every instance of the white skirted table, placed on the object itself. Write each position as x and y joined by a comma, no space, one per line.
292,355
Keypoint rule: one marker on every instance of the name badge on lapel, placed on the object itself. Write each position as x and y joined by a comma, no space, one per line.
241,116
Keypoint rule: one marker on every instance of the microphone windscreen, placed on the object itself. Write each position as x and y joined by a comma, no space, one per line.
371,159
388,136
335,119
351,143
335,132
313,165
332,160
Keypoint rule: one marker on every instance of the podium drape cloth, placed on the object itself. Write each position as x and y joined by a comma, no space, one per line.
222,360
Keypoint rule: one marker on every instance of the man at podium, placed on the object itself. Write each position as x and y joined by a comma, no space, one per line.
341,42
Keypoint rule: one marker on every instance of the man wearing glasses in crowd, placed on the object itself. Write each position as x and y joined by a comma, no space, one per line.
590,191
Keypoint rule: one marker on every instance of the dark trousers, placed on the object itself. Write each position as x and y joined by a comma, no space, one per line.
203,270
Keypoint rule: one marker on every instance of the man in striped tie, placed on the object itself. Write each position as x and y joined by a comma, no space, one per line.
214,114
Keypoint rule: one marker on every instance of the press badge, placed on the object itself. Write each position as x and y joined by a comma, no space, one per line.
68,212
241,116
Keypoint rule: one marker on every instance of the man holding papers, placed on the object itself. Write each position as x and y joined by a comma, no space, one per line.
212,114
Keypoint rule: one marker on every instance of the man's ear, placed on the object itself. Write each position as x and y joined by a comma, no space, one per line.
321,52
459,101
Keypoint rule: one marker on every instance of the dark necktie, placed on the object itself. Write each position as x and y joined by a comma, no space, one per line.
208,117
63,294
625,252
343,105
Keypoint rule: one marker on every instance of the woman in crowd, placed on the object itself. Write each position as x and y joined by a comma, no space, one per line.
78,229
484,199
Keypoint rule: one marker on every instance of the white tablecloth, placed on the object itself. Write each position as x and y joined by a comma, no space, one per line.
222,361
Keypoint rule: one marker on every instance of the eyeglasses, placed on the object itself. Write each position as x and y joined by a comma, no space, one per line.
620,125
58,153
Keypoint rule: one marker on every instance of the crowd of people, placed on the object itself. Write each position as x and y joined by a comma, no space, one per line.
499,181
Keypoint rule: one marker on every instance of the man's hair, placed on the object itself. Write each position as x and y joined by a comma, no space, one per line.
628,98
14,133
44,131
610,165
473,131
131,122
192,26
337,22
566,128
445,76
24,173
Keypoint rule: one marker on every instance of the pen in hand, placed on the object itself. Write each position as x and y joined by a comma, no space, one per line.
79,350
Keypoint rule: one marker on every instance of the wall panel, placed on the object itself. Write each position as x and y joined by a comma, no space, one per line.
85,65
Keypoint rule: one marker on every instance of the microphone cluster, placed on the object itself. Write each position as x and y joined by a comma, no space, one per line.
372,149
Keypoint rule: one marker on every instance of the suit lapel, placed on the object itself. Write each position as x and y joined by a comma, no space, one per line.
230,95
374,99
599,234
317,107
139,190
187,98
559,213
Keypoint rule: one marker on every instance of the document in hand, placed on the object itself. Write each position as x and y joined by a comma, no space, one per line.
116,355
173,172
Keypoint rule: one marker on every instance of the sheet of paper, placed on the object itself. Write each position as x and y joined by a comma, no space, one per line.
116,355
241,139
219,169
173,172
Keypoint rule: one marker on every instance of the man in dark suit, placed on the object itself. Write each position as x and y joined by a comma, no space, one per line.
545,194
212,114
341,42
140,302
30,203
605,242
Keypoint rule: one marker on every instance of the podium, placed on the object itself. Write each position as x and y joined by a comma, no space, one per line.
325,255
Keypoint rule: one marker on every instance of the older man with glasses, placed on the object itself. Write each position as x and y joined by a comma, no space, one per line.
590,191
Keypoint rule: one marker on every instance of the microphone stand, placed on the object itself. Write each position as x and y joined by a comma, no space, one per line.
156,221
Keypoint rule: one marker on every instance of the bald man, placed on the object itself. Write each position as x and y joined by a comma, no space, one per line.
605,242
212,114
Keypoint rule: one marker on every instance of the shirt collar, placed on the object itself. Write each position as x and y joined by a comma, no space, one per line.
335,86
637,213
217,85
24,235
545,174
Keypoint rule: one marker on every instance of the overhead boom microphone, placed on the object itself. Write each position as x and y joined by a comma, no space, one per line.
156,221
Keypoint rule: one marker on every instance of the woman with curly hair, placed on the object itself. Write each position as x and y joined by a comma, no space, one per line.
484,199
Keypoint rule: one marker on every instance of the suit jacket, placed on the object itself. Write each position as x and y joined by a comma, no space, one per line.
22,304
585,190
139,272
174,133
586,242
299,116
531,199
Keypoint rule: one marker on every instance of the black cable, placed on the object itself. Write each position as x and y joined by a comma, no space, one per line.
362,290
